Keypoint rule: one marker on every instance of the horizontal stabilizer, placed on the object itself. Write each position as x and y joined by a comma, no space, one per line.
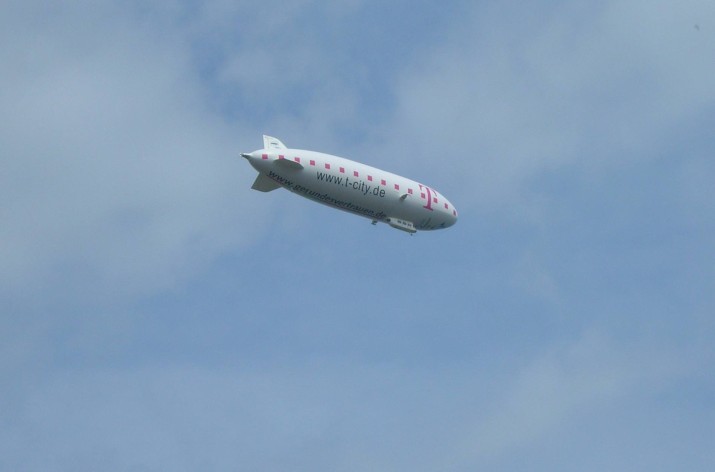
269,142
264,184
288,164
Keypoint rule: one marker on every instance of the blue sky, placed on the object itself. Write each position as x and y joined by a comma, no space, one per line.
157,314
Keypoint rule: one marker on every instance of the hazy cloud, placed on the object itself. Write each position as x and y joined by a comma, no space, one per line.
518,91
115,173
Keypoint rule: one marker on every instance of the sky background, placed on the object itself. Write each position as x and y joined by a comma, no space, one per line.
158,314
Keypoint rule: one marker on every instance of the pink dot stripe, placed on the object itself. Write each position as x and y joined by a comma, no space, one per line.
355,173
382,182
397,187
327,166
264,156
297,159
369,177
312,162
342,170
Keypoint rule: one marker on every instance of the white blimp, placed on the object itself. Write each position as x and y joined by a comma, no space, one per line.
351,186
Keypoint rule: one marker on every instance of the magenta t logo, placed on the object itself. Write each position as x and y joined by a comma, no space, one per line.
429,197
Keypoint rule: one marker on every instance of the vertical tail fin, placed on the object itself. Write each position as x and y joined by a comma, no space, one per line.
270,142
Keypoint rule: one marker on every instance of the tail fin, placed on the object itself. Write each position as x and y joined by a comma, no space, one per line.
264,184
270,142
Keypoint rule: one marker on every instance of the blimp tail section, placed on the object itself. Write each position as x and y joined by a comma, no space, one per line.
264,184
269,142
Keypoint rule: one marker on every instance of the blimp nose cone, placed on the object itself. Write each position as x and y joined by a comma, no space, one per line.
454,217
246,155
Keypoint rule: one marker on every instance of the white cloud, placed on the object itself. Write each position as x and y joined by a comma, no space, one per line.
318,416
280,60
517,90
571,384
331,415
116,178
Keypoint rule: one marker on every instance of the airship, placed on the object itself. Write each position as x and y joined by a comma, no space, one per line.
351,186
